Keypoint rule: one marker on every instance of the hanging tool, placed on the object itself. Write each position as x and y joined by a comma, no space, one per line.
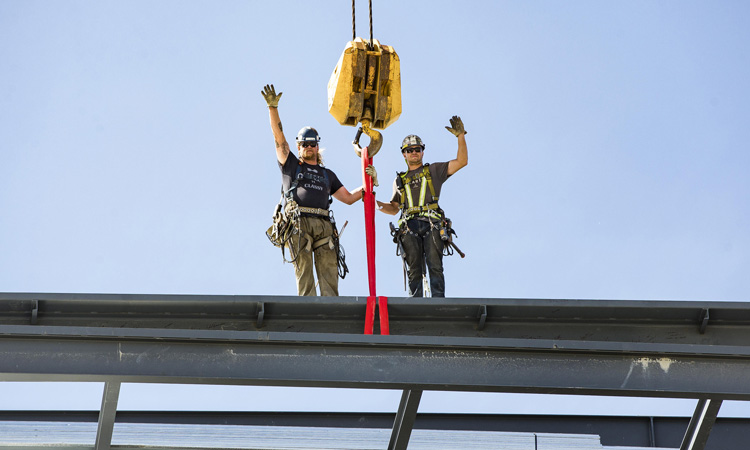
399,248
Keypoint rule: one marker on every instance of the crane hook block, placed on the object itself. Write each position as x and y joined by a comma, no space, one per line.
365,86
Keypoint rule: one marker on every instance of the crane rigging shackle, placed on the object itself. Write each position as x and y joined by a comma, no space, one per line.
365,86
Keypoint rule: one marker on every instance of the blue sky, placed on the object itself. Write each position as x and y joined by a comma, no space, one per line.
608,153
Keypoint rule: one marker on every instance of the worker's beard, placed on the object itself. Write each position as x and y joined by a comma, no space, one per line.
310,156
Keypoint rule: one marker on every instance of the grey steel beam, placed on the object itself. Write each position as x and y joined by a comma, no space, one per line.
699,428
38,353
405,418
597,347
107,415
599,320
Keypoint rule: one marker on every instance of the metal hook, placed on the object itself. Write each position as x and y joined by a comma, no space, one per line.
376,141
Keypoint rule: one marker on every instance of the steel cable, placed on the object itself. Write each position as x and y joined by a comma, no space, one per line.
372,45
354,24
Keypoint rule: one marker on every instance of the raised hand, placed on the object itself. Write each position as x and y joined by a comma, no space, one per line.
269,94
457,126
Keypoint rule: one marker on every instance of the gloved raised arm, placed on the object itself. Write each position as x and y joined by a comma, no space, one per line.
269,94
462,155
272,100
457,126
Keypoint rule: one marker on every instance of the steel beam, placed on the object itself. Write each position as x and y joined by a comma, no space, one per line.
405,418
585,347
107,414
596,320
38,353
700,425
595,347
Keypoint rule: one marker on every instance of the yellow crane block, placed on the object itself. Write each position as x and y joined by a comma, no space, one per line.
365,86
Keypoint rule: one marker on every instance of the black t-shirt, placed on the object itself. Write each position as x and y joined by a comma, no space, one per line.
316,184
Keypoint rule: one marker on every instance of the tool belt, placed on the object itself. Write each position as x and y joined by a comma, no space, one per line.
446,231
430,211
314,211
446,235
286,225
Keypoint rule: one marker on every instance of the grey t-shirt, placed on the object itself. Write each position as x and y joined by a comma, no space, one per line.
312,190
438,174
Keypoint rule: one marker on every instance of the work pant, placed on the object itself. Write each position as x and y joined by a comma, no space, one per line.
324,259
422,245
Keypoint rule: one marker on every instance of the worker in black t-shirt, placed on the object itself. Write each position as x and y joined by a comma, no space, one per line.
308,186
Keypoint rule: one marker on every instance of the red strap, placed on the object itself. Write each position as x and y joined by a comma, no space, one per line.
370,315
385,327
369,200
382,306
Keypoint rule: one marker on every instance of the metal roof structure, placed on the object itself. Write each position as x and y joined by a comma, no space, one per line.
41,435
587,347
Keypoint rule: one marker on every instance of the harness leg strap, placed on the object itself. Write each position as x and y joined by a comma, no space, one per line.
321,242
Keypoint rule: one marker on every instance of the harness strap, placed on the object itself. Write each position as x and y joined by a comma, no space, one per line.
321,242
408,208
311,245
422,209
289,194
425,175
409,201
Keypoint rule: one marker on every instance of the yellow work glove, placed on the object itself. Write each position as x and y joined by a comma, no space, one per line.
269,93
457,127
370,170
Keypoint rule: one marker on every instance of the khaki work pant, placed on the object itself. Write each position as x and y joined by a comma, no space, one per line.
325,259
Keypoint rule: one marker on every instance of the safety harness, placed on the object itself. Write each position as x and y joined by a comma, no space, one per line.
430,210
409,209
287,217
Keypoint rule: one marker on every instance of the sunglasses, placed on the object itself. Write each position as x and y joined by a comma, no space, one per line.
308,144
412,150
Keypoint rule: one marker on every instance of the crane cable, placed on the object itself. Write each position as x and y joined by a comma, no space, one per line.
376,138
354,26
